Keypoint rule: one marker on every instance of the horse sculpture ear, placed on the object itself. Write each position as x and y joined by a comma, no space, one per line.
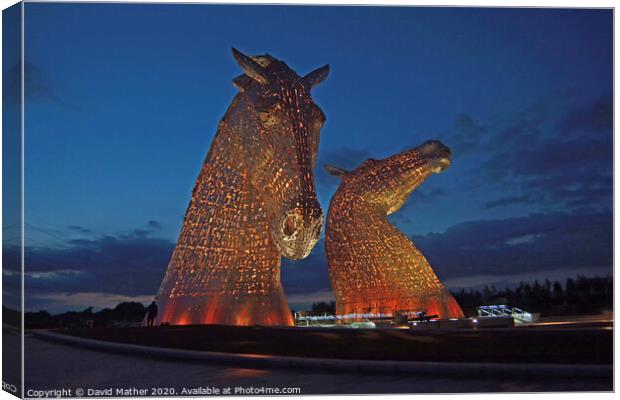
251,67
242,82
335,171
317,76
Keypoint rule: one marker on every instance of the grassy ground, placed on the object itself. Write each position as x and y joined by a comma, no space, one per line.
582,346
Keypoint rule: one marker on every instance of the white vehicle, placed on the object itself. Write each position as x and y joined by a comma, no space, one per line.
364,325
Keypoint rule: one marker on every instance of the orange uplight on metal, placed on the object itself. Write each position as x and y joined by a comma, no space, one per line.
373,267
254,201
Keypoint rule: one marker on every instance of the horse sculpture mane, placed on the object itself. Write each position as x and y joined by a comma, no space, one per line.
373,267
254,200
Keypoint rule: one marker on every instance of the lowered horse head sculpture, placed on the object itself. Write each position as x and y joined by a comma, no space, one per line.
373,267
282,127
254,201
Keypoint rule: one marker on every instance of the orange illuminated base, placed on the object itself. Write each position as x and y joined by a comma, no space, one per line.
443,305
221,310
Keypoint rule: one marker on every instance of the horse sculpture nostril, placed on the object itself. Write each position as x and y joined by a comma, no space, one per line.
290,225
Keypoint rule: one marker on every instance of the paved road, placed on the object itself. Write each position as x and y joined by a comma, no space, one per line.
56,366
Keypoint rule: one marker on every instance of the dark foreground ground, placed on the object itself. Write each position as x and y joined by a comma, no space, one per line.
587,344
55,366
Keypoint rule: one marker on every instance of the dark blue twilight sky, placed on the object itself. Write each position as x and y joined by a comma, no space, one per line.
123,100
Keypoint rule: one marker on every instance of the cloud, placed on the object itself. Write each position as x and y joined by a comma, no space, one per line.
79,229
152,227
539,243
37,84
573,172
555,154
58,274
11,276
306,299
154,224
465,135
124,265
57,302
499,281
550,155
307,275
500,251
593,117
502,201
424,194
137,233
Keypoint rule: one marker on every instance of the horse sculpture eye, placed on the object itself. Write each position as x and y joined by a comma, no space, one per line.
268,116
264,116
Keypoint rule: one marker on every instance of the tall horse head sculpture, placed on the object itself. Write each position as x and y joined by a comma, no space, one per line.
254,201
374,268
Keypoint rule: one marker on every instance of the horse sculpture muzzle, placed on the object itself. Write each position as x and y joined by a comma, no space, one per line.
437,154
299,230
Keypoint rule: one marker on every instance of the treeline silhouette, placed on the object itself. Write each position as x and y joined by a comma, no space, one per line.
572,297
322,308
124,314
